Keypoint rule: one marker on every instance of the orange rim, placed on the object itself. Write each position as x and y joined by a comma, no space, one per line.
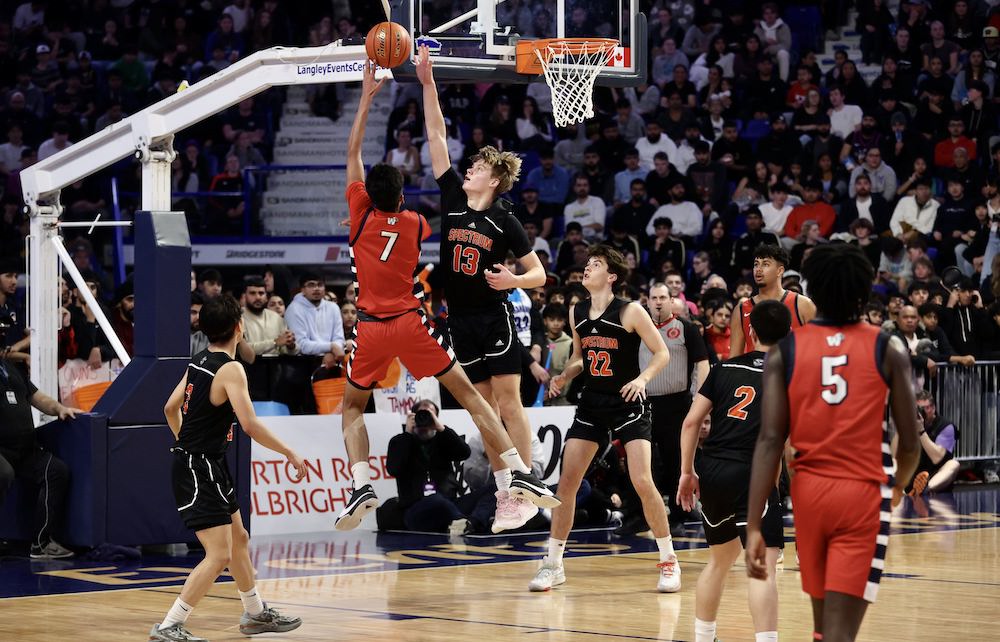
529,52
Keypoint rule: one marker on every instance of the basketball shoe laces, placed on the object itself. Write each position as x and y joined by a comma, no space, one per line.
667,568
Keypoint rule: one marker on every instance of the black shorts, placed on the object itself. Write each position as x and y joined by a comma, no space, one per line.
602,417
203,490
486,343
725,486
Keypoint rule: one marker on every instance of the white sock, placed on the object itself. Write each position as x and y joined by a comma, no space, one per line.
178,614
766,636
252,603
512,459
362,473
556,549
503,478
666,546
704,631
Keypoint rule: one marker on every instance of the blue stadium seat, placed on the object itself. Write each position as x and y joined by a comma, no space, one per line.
755,130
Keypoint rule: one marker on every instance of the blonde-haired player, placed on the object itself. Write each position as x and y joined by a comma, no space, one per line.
477,230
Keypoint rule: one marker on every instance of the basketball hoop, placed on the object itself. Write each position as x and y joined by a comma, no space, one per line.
570,67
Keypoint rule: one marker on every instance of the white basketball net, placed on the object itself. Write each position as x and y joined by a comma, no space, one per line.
570,68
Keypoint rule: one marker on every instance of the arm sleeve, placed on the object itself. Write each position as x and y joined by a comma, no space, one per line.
516,236
946,438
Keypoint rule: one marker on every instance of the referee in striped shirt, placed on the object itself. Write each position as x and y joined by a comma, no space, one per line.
669,393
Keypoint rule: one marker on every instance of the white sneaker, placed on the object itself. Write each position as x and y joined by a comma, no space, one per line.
458,527
512,512
670,576
781,557
547,577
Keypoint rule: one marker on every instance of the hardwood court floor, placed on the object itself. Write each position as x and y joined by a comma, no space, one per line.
942,583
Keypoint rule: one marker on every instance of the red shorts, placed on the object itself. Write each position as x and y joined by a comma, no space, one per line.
841,532
409,336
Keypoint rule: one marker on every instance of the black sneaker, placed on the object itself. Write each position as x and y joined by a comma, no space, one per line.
529,487
363,501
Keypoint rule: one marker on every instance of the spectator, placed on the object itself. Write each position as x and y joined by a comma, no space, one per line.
709,179
226,40
844,119
630,124
264,330
570,149
226,212
938,467
634,216
122,318
551,181
908,331
765,91
422,459
812,209
719,312
244,118
59,141
863,232
864,204
701,270
22,457
969,324
882,177
560,345
319,336
719,246
944,151
915,215
687,218
241,13
624,178
245,151
532,210
199,341
587,210
533,129
939,47
10,151
665,250
662,179
699,36
717,58
664,63
568,250
405,157
733,152
776,211
653,143
685,149
276,304
775,36
809,237
210,283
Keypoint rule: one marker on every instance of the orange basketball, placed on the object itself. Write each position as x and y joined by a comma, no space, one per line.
388,44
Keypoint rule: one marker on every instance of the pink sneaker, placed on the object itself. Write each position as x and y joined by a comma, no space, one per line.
512,512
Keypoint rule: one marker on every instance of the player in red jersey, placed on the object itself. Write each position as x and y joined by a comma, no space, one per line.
385,251
769,264
825,390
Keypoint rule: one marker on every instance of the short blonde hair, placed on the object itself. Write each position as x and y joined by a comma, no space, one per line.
505,166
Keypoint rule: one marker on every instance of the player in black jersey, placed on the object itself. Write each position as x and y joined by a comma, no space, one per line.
732,393
202,412
607,333
478,229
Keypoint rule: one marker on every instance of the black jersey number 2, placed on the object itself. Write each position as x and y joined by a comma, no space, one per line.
465,260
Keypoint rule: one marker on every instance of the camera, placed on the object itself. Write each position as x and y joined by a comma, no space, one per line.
423,419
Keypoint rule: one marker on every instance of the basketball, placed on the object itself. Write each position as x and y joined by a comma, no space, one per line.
388,44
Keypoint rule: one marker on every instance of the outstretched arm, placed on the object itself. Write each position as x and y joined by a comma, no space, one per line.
369,87
437,135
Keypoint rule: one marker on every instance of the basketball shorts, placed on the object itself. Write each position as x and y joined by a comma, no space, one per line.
841,532
203,490
725,484
486,343
602,417
408,336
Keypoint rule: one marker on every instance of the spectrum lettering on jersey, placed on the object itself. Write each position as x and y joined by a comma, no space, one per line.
610,343
469,236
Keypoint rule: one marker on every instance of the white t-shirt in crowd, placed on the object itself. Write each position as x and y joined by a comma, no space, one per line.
774,219
591,210
843,122
686,217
